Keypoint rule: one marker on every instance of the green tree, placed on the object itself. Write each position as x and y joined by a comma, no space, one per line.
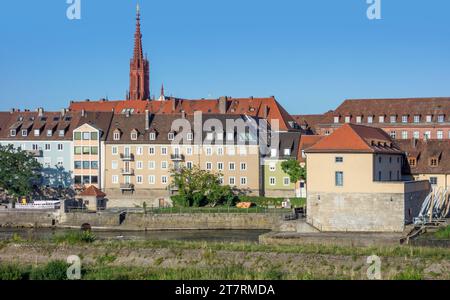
197,187
18,171
294,170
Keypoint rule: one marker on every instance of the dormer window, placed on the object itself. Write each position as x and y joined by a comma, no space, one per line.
171,136
434,162
37,132
116,135
412,161
416,119
405,119
190,136
336,120
62,132
381,119
359,119
12,132
152,136
287,152
49,132
24,132
134,135
370,119
429,118
441,118
393,119
348,119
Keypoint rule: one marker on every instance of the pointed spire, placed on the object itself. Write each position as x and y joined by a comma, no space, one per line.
138,53
162,97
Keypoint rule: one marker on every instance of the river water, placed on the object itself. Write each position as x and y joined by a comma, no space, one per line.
179,235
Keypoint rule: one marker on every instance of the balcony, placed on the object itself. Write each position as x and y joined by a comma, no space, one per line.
127,157
129,172
36,153
127,187
177,157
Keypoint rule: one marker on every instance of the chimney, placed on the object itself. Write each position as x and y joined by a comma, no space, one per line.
174,105
266,111
223,105
183,114
83,113
63,112
147,120
40,112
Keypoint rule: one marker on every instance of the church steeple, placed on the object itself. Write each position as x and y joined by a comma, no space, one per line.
139,66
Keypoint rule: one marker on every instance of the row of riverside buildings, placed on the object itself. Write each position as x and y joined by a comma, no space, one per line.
370,163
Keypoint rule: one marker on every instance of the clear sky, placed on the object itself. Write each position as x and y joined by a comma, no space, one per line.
310,54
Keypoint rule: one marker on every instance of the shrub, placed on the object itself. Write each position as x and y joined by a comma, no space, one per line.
55,270
9,272
73,238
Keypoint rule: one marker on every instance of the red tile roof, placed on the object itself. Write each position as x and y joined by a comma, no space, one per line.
309,122
92,191
255,107
356,138
307,141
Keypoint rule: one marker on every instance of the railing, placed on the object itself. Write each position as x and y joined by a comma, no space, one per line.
177,157
127,187
127,157
127,172
209,210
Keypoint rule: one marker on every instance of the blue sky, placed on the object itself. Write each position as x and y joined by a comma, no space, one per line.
310,54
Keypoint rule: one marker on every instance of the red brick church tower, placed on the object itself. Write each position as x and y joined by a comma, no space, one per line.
139,67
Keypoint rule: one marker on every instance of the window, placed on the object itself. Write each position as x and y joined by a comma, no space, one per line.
243,180
209,151
48,147
370,119
151,179
219,136
440,135
416,135
94,165
189,165
115,179
164,150
339,159
232,166
86,150
189,151
151,165
433,162
412,162
35,147
208,166
273,152
94,136
393,134
151,150
232,181
287,152
220,166
77,165
390,175
209,136
77,136
221,181
116,136
380,159
37,132
381,119
171,136
62,133
78,150
405,119
231,151
114,150
398,175
139,165
359,119
339,178
152,136
86,136
243,166
433,180
139,151
220,151
347,119
60,147
405,135
230,136
94,150
164,179
86,165
427,135
140,179
336,120
190,136
12,132
441,118
272,167
94,179
416,119
49,132
286,181
393,119
164,165
272,181
114,165
24,132
429,118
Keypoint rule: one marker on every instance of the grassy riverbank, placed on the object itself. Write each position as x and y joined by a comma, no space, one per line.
149,260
